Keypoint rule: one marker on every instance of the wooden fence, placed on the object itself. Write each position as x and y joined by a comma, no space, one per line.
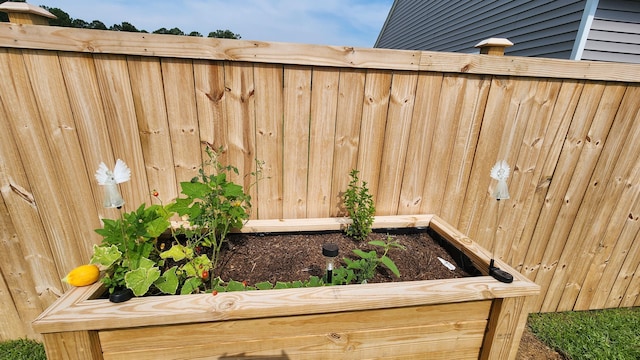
423,128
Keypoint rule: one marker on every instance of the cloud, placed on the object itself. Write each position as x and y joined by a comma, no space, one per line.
334,22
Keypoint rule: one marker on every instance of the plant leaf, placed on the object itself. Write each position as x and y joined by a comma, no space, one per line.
168,282
105,256
140,279
390,265
191,285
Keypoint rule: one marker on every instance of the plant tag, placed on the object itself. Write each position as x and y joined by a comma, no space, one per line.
449,265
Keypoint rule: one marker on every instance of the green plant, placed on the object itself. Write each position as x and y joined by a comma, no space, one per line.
214,206
364,269
128,251
22,349
360,207
598,334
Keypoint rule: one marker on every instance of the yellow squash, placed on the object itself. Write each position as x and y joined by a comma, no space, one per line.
83,275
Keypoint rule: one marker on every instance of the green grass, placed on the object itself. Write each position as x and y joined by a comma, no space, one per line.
598,334
22,349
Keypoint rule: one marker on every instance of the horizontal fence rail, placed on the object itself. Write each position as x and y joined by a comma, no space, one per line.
423,129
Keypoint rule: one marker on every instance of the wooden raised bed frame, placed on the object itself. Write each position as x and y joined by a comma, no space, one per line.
468,318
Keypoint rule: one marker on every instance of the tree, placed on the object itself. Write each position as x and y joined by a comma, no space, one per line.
65,20
224,34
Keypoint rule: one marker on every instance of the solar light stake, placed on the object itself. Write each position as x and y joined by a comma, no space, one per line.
500,172
329,251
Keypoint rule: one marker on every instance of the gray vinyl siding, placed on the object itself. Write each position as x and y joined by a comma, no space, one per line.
615,32
537,28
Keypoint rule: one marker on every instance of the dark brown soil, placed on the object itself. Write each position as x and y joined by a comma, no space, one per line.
279,257
290,257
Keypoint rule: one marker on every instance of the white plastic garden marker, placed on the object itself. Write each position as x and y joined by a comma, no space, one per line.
110,180
499,171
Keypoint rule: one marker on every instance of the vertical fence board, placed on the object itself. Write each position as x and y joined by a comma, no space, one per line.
539,131
561,122
269,139
607,285
374,117
182,117
297,114
576,164
572,266
60,133
84,97
241,125
421,135
619,197
497,110
394,153
120,113
153,126
324,103
473,105
347,137
27,128
210,102
624,277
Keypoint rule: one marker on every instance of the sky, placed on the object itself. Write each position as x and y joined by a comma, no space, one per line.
325,22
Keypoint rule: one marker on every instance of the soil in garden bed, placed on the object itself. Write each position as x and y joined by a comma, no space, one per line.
297,256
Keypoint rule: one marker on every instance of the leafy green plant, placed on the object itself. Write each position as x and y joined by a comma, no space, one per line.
214,206
364,269
128,251
360,207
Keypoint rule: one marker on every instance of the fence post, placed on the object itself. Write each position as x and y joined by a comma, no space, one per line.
493,46
23,13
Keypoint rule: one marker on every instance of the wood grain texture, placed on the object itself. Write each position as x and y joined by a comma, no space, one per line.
104,42
355,335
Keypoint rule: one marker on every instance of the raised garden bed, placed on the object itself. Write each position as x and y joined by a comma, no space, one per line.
472,317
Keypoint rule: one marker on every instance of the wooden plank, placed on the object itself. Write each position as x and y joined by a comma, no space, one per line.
421,136
461,340
269,139
394,153
32,280
501,133
295,164
27,128
15,303
182,117
120,114
411,330
538,115
73,345
559,134
586,232
347,136
506,324
625,276
143,44
324,104
59,129
210,93
86,105
372,130
466,138
240,107
568,181
632,296
622,196
153,127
